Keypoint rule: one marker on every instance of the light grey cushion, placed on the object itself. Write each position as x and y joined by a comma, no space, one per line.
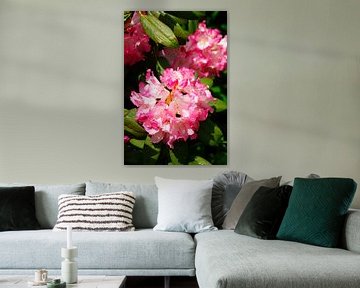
46,200
351,231
141,250
243,198
225,259
184,205
225,189
146,204
105,212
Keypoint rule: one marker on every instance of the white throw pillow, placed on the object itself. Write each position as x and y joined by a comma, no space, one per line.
104,212
184,205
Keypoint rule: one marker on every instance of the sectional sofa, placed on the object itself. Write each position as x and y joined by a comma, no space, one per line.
219,259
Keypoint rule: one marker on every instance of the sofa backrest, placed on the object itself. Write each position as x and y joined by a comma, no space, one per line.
46,200
146,203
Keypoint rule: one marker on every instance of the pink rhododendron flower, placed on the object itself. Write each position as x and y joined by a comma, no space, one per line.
136,42
126,139
171,109
205,52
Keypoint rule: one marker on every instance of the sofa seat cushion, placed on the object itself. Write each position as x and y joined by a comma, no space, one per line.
226,259
141,249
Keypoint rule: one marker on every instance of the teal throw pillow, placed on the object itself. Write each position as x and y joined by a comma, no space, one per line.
316,211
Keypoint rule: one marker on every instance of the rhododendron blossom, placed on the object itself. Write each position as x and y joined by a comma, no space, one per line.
136,42
205,51
171,109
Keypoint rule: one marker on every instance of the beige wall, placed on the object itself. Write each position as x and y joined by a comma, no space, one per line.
294,90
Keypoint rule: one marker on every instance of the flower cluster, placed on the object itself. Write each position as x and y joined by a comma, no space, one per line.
171,109
205,52
136,42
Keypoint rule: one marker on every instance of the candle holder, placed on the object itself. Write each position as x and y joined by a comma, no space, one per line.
69,271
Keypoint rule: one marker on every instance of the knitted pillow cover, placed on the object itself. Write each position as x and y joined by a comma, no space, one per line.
316,211
105,212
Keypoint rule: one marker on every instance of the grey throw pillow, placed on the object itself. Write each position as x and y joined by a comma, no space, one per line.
184,205
225,189
242,199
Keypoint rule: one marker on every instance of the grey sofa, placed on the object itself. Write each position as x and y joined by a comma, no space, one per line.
218,259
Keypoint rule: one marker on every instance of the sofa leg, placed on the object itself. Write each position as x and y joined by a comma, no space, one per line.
167,282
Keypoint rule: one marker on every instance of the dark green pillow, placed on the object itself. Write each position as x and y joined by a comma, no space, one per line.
264,212
17,208
316,211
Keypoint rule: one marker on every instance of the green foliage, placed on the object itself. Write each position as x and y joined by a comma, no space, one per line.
199,161
210,133
131,126
151,152
158,31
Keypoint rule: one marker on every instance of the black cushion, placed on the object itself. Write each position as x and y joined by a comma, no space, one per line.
263,214
17,208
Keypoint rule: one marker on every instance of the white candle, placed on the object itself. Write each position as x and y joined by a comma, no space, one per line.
69,237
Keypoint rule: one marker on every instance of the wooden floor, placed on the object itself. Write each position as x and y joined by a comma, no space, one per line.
158,282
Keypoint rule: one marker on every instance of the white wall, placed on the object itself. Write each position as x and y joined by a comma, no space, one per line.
294,90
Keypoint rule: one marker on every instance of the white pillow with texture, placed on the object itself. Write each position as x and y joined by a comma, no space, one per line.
184,205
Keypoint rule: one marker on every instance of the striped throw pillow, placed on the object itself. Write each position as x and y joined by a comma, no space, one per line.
105,212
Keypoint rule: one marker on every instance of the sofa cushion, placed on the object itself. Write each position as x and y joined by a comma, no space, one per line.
184,205
263,214
243,198
350,239
146,205
105,212
226,187
17,208
225,259
137,250
317,209
46,200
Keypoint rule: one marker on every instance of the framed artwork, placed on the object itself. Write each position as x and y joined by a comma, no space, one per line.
175,88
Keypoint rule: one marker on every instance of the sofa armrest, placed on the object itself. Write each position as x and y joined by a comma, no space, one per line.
351,234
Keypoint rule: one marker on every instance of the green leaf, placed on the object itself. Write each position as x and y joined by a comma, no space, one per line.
199,161
218,92
193,24
151,152
210,133
219,105
180,32
131,126
191,15
161,65
137,143
127,15
173,158
171,20
158,31
207,81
